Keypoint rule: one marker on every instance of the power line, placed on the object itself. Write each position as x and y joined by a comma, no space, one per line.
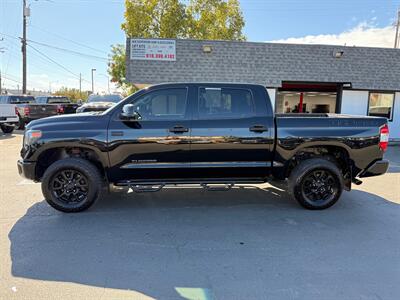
53,61
69,51
67,39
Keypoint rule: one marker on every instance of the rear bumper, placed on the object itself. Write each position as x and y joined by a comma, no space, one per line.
377,168
26,169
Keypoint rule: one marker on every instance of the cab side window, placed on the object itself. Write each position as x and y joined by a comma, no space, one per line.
168,104
217,103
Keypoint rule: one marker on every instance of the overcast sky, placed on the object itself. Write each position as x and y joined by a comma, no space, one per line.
91,26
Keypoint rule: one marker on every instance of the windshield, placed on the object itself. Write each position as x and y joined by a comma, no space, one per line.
22,99
58,100
104,98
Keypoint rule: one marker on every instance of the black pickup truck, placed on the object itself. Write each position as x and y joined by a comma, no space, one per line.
64,104
27,109
215,135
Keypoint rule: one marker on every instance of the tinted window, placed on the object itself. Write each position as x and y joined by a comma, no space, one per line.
104,98
169,104
58,100
22,99
381,105
217,103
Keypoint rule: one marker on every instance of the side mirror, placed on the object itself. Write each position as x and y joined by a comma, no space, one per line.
129,113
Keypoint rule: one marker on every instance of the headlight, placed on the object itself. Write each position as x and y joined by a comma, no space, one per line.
31,136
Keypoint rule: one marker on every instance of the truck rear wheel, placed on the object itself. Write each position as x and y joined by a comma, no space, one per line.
316,183
71,185
7,128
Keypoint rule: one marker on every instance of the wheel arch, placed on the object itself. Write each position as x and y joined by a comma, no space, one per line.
336,154
50,155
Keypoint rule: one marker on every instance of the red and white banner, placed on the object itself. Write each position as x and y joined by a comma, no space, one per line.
146,49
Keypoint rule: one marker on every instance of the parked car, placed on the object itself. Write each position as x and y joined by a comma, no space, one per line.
99,103
27,109
8,118
201,133
64,104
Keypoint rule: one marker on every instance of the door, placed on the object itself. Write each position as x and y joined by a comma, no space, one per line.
230,138
157,146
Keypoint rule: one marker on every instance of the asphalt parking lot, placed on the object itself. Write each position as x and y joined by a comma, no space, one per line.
253,242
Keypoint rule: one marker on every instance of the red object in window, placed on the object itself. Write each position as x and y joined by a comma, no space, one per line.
301,103
384,137
26,111
60,109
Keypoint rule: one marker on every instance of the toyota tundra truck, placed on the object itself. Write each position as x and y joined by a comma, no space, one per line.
215,135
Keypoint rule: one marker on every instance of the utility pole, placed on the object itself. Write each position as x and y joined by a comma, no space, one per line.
25,14
93,81
396,39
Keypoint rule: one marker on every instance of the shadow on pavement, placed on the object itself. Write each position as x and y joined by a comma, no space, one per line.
6,136
393,155
247,243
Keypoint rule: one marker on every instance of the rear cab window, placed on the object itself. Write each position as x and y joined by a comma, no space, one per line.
21,99
225,103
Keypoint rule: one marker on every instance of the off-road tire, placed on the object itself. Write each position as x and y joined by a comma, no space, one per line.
302,172
84,167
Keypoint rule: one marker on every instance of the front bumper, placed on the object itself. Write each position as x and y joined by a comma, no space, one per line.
377,168
27,169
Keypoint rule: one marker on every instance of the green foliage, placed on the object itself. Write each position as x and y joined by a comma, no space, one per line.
215,20
155,19
199,19
71,93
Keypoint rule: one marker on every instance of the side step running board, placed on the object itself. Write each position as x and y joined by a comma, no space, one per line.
146,188
221,188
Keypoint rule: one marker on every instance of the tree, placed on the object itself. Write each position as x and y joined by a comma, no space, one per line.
71,93
155,19
200,19
215,20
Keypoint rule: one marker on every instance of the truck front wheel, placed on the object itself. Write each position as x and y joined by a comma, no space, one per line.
316,183
71,185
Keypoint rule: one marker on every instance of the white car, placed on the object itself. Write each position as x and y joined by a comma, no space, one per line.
8,118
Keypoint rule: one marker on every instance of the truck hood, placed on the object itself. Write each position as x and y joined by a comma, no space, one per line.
72,121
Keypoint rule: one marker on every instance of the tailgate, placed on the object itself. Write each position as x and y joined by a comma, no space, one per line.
7,110
70,108
42,110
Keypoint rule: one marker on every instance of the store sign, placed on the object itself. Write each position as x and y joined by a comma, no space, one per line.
146,49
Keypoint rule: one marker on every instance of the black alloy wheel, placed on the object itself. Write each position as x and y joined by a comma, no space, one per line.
319,187
316,183
72,184
69,187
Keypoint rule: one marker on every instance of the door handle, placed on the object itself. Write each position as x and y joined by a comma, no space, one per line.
178,129
258,128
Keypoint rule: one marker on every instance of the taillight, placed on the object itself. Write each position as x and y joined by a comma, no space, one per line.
26,110
16,111
384,137
60,109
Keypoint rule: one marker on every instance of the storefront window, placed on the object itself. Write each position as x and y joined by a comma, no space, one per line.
381,105
312,102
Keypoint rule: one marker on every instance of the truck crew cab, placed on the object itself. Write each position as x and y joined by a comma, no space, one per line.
201,133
